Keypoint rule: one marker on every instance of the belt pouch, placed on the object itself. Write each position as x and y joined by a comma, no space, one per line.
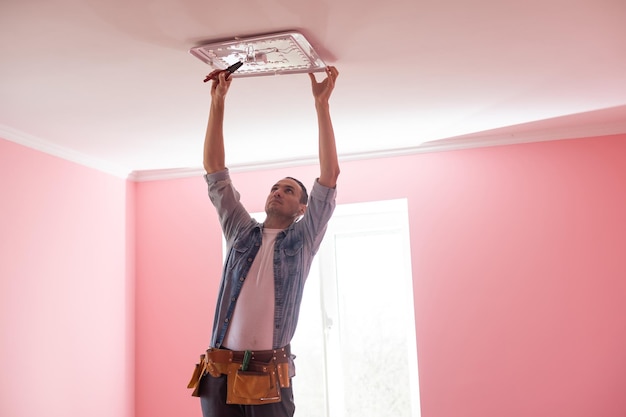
194,382
257,385
207,365
283,374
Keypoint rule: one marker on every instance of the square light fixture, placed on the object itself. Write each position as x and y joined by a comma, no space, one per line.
270,54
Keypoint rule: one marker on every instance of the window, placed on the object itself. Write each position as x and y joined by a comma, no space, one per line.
355,341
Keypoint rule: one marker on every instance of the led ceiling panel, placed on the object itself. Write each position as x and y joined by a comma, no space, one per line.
277,53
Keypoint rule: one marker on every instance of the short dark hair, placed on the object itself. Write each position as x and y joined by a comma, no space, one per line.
304,198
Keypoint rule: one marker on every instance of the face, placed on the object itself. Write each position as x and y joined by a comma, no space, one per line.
284,199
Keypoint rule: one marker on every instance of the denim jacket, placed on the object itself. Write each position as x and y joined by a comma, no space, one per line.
294,250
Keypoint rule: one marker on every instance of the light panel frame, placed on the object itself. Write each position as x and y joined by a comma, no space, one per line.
270,54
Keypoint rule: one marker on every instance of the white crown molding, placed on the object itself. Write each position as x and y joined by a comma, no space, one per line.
165,174
507,137
39,144
512,136
443,145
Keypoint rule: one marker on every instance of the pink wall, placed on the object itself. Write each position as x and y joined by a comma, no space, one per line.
520,279
175,253
519,276
65,288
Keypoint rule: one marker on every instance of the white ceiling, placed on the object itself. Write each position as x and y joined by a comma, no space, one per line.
111,83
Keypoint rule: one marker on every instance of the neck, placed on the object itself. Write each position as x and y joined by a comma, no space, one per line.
273,222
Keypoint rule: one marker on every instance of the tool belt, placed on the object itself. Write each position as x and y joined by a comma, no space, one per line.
252,377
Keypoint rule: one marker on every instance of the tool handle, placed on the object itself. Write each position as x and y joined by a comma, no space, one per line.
230,69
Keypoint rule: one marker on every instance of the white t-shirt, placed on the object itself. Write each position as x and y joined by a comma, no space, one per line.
252,324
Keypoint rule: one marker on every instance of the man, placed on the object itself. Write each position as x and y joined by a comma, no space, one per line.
248,369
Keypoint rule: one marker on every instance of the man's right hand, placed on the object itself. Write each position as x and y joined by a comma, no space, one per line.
221,83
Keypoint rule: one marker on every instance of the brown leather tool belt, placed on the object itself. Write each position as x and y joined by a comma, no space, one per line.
265,373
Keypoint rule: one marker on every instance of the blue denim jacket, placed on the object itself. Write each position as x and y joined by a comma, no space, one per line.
294,250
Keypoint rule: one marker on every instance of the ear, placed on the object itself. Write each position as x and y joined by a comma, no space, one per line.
302,209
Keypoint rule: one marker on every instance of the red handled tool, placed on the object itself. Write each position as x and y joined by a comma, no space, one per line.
230,69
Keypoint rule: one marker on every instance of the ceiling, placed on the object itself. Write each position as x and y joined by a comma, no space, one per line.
111,84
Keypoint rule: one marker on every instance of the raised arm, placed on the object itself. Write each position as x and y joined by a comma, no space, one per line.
214,157
329,163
